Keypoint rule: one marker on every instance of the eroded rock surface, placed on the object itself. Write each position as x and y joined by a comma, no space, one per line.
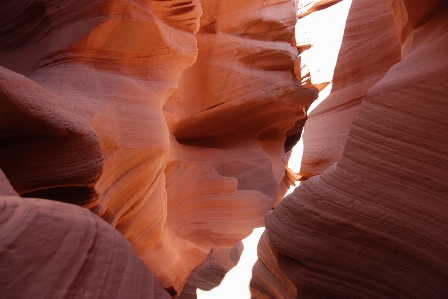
164,118
55,250
170,119
370,47
211,272
373,225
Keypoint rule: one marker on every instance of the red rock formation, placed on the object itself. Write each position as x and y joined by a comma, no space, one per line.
268,280
210,273
313,6
229,119
226,100
82,88
5,187
373,225
362,61
89,89
56,250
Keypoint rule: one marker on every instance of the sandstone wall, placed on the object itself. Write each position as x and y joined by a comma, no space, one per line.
56,250
373,223
165,118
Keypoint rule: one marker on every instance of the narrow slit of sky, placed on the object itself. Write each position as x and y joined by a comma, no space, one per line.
324,30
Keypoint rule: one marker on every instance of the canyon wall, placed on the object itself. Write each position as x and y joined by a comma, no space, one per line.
140,141
55,250
370,220
167,119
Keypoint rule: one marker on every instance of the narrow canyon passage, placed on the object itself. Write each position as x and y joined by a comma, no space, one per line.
324,31
142,140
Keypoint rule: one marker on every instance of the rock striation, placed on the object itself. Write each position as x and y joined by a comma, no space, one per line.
171,120
363,60
371,220
84,111
211,272
55,250
167,119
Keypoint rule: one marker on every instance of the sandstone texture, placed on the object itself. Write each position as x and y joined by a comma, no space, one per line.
364,58
268,280
211,272
141,141
167,119
370,222
52,250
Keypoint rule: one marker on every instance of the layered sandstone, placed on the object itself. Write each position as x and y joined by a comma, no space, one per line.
229,119
363,59
56,250
165,119
211,272
83,121
170,120
373,223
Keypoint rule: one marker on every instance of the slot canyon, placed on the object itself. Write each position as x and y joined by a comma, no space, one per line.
142,140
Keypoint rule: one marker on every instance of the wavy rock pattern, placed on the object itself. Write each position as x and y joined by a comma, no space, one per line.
83,97
226,102
268,280
68,253
229,120
172,134
211,272
373,225
313,6
362,61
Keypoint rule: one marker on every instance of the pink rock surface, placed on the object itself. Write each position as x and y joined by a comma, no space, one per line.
55,250
211,272
374,225
268,280
5,187
364,58
313,6
174,135
228,121
84,120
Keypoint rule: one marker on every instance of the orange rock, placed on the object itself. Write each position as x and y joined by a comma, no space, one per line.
315,5
210,273
229,119
362,61
373,225
91,115
268,280
56,250
85,124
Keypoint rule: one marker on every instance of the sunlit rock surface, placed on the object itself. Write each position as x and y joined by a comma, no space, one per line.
364,58
83,120
373,225
268,280
52,250
170,121
166,119
210,273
